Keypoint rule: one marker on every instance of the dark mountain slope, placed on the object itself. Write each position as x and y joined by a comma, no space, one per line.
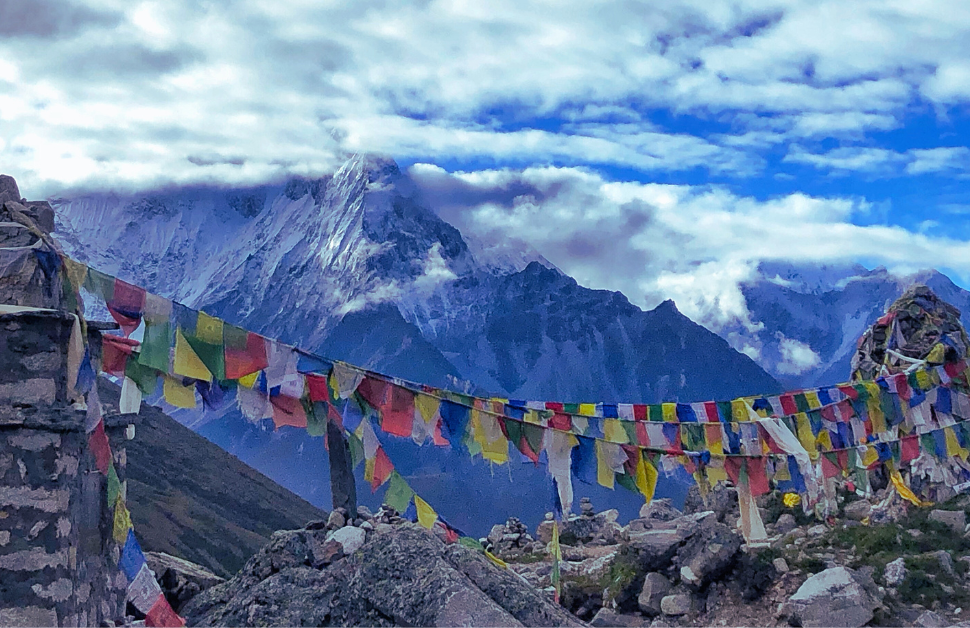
189,498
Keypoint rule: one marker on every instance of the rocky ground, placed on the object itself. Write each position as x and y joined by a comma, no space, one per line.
880,563
890,564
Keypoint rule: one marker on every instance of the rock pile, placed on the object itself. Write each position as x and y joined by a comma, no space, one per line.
378,573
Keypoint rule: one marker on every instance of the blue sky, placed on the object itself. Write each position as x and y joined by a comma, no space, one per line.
661,149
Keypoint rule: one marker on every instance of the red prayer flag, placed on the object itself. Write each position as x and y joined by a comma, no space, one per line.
909,449
374,392
830,466
317,385
244,360
555,406
710,408
788,405
902,387
127,305
757,476
639,412
397,415
288,411
114,354
382,469
437,437
560,421
850,392
98,442
732,466
162,615
642,436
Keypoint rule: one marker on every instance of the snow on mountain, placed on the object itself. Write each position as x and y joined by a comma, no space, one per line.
310,261
803,321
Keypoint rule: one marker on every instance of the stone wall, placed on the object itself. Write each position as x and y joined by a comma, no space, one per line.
58,560
58,557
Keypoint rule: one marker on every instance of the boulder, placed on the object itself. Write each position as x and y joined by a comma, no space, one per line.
351,539
780,565
8,189
895,572
835,597
721,499
857,511
607,617
675,605
402,575
708,553
660,510
655,588
944,559
181,580
955,519
786,523
929,619
336,520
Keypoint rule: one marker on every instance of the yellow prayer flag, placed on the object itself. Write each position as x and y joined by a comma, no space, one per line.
646,478
178,395
953,447
904,491
669,412
716,474
813,400
871,456
824,440
613,432
426,514
76,272
209,329
805,435
782,473
739,411
604,474
187,361
923,379
587,409
937,354
249,380
531,416
122,521
427,406
369,469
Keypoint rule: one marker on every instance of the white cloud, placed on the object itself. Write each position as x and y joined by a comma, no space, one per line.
885,162
692,244
796,356
111,93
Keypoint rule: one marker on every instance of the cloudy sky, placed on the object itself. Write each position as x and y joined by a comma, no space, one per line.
659,148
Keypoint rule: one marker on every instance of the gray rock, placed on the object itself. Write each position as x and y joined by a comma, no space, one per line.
336,520
607,617
929,619
834,597
363,512
781,565
816,531
895,572
496,533
402,576
8,189
786,523
351,539
655,588
955,519
708,553
859,510
945,560
660,510
675,605
656,548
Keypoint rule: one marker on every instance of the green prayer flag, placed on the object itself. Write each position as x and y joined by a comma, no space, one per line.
356,449
114,484
801,402
316,417
145,377
627,482
99,284
724,409
398,494
156,346
631,431
212,355
655,412
533,435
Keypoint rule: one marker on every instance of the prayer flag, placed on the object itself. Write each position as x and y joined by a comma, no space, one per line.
245,352
132,557
161,615
397,415
398,494
177,394
288,411
426,514
187,361
98,442
122,521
